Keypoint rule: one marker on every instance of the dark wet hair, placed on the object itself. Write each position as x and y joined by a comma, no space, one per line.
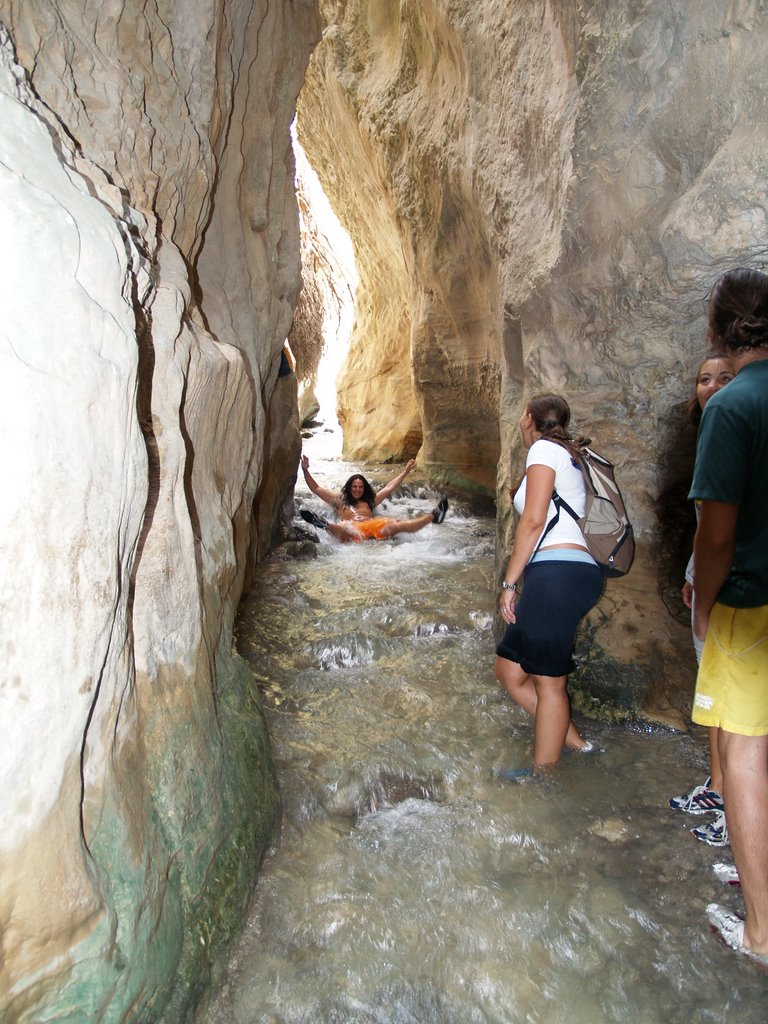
738,311
551,416
693,410
369,496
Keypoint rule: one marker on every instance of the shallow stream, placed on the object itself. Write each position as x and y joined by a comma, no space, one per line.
410,885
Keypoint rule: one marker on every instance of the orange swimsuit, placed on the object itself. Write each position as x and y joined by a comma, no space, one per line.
371,529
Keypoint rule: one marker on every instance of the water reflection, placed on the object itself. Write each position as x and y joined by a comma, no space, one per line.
410,884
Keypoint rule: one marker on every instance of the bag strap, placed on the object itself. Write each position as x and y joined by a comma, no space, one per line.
550,525
562,503
583,464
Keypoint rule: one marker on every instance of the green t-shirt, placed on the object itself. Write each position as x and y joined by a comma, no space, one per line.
732,467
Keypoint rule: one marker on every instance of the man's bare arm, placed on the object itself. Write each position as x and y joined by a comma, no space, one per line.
393,484
713,551
325,495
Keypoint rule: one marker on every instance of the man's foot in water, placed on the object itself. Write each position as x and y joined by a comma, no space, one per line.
438,512
313,520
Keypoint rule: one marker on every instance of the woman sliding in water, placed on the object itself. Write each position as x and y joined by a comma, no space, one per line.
355,504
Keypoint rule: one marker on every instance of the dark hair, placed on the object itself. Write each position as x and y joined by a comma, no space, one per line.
551,415
369,496
693,410
738,310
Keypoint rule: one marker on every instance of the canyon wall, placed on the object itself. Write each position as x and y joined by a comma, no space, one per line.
149,267
540,196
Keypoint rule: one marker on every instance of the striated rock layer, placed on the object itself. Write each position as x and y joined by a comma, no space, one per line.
150,266
540,196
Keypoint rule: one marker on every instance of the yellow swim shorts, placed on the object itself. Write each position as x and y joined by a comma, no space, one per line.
371,529
732,685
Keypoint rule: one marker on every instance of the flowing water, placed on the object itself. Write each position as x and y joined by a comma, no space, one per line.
410,885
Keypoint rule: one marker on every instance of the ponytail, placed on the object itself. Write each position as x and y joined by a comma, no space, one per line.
551,415
738,310
746,332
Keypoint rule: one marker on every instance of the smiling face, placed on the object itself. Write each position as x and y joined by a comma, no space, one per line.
357,488
713,375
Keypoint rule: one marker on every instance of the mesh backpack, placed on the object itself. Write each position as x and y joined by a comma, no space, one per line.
605,525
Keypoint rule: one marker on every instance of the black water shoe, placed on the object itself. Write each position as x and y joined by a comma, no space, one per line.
313,520
438,512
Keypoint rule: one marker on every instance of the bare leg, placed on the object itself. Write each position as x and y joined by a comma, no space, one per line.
715,768
407,525
715,771
745,793
553,718
522,689
344,532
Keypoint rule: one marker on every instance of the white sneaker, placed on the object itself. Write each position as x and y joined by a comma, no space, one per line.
714,833
726,873
700,800
730,928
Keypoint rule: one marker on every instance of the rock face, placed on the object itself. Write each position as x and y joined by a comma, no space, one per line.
540,196
149,269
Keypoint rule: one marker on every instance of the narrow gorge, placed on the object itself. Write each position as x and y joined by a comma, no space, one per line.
539,195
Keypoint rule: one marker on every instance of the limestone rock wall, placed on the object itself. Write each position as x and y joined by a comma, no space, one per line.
540,196
456,124
149,265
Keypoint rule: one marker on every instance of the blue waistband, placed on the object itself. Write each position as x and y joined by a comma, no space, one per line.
563,555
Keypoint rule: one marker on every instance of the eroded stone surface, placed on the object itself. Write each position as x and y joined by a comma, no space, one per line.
540,196
149,247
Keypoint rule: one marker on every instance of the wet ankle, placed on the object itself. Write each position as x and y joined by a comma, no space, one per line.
754,945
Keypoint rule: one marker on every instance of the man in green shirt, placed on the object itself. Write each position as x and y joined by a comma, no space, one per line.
731,592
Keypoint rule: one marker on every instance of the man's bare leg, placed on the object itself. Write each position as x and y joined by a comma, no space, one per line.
437,515
745,794
715,768
406,525
345,532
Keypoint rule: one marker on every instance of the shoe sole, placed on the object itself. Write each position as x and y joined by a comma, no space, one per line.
313,520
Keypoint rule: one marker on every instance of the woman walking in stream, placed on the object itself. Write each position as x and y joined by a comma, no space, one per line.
562,583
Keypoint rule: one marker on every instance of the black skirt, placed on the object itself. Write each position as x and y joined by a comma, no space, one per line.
554,599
